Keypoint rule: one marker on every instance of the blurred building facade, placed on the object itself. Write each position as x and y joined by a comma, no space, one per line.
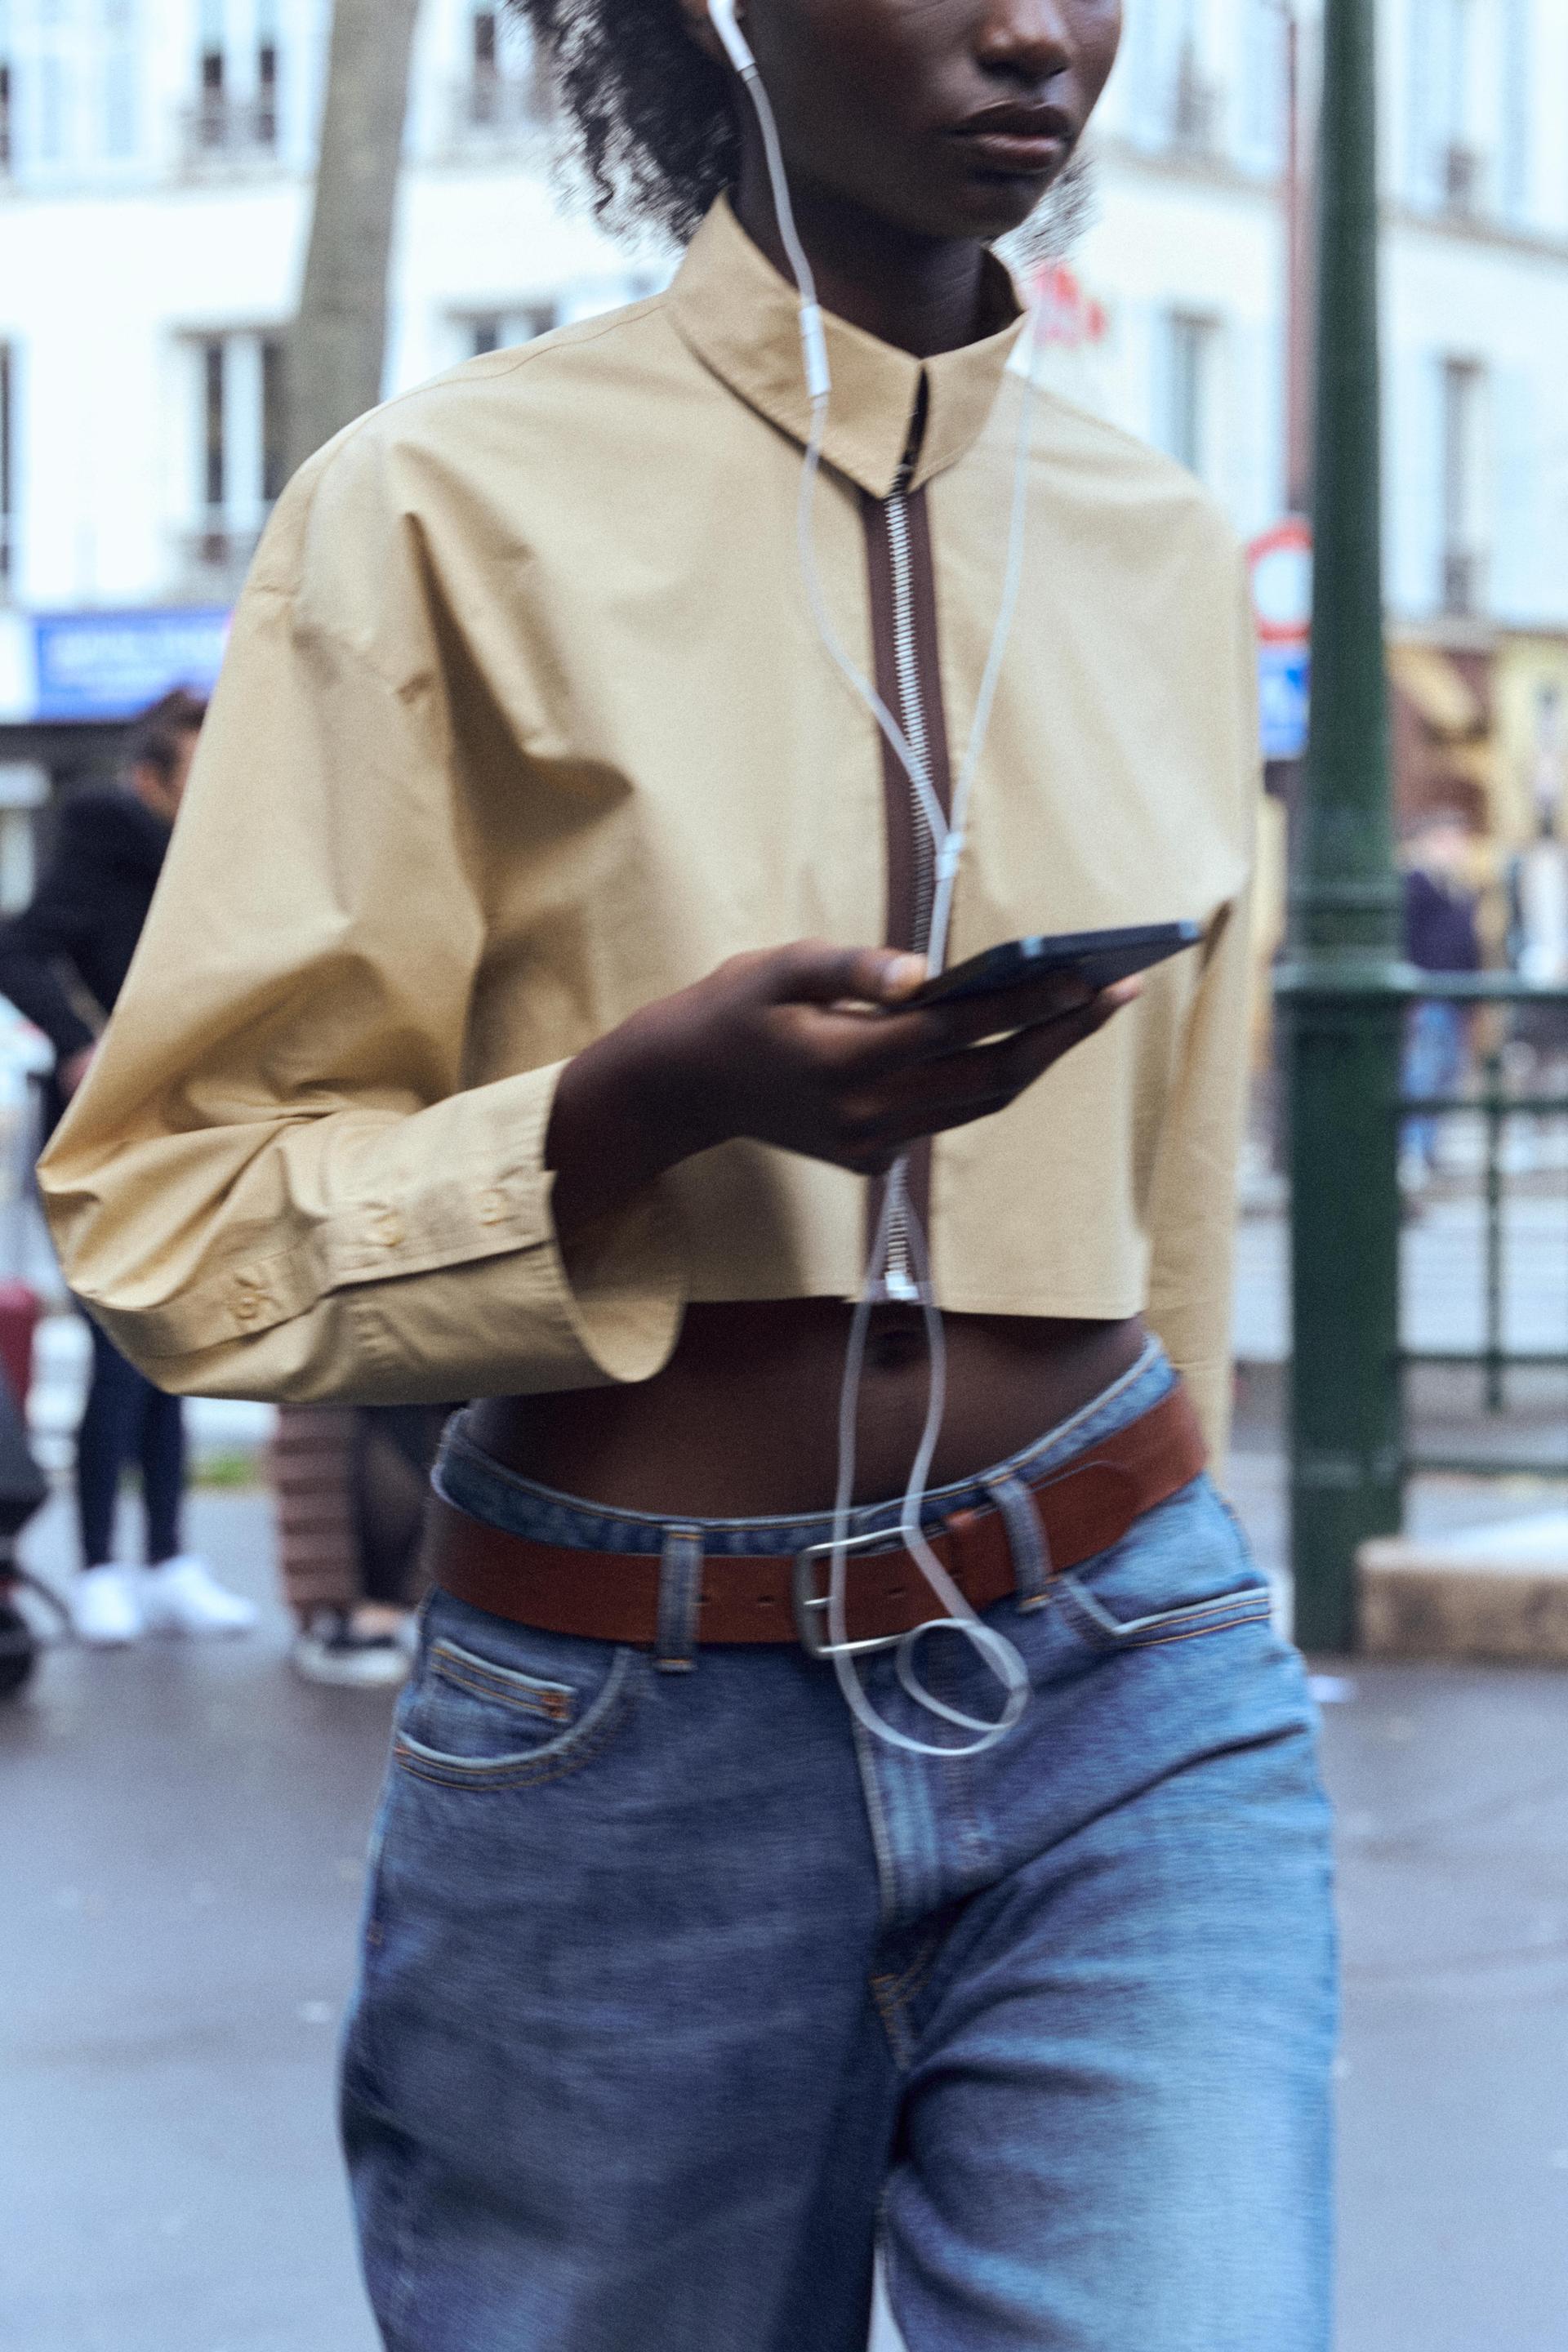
154,187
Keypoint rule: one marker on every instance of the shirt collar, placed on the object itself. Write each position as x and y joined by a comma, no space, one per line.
741,318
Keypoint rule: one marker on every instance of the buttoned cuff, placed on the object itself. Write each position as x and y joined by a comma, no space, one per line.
439,1230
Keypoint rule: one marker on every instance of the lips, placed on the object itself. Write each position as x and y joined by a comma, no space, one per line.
1022,139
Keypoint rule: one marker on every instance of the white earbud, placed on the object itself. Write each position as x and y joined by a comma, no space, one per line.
812,335
725,15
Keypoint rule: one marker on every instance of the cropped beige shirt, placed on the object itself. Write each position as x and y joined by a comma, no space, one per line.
524,723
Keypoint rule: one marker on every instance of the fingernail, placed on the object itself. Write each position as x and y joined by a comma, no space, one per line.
901,975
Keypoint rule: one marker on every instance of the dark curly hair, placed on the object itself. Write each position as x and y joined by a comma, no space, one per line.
649,117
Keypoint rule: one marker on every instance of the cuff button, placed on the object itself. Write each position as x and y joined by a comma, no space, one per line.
388,1229
492,1208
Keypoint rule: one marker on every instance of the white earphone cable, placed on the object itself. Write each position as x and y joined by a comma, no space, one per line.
948,837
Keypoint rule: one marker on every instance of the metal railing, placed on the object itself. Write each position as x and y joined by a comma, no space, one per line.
1498,1107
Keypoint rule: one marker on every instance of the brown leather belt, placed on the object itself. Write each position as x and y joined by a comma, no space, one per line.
1083,1508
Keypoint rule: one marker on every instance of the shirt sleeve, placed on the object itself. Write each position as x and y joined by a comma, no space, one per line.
276,1182
1192,1206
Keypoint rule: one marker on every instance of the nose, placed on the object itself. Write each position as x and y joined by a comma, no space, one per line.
1032,41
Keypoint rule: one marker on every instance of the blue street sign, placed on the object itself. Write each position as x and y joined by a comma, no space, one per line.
111,665
1284,681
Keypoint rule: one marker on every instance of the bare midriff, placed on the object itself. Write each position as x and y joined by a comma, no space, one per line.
743,1420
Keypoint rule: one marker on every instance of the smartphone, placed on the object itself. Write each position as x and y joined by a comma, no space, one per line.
1096,957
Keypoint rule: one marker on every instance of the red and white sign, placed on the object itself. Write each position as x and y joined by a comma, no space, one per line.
1069,314
1281,564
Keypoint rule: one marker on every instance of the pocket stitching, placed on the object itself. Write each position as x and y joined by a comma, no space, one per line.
552,1761
1247,1606
1258,1614
505,1685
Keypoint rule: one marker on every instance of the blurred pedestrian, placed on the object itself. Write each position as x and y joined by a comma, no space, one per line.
63,961
1441,935
1538,894
350,1484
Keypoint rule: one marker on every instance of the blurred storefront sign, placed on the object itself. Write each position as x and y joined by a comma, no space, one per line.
1068,313
97,665
1281,565
1285,700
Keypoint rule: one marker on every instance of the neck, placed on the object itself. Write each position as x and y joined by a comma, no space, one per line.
922,295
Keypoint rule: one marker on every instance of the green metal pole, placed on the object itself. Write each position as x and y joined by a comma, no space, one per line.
1341,987
1497,1396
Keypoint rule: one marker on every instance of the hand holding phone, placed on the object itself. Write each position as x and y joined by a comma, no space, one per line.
1097,958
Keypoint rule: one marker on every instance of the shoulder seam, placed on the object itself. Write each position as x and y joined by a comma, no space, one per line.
586,331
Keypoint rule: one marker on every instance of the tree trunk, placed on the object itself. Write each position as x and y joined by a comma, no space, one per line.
338,347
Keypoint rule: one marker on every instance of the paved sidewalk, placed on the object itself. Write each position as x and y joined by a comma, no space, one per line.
182,1831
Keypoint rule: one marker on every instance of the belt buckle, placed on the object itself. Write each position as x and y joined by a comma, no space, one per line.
811,1606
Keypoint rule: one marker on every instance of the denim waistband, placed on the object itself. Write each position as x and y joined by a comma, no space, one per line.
472,1480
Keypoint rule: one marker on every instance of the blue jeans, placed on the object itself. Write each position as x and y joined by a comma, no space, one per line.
1437,1037
680,1995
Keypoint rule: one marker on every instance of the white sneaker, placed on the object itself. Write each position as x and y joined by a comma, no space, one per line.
182,1596
106,1607
334,1651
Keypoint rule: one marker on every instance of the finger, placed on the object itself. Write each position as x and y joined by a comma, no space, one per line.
1017,1061
813,971
900,1040
982,1079
945,1028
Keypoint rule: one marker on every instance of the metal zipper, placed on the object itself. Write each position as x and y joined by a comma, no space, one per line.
903,623
912,706
898,1282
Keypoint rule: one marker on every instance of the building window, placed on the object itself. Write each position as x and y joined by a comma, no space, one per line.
212,103
1267,78
7,468
1194,100
240,435
6,116
53,95
1450,168
235,117
1176,103
498,330
1517,158
1466,486
484,66
1190,347
119,82
501,95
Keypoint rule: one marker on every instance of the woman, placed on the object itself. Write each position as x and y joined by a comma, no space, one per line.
538,1048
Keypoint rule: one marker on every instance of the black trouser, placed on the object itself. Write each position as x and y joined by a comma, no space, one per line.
128,1419
393,1447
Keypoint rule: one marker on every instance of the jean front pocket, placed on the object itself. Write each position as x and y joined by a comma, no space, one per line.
1182,1570
499,1705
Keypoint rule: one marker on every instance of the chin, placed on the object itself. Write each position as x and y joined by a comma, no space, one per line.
990,211
1037,218
1058,222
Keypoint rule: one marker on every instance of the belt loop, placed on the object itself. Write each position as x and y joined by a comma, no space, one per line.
679,1600
1026,1538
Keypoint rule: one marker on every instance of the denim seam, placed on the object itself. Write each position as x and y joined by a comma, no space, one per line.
1189,1622
892,1995
400,2284
587,1740
1196,1633
881,1842
449,1673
